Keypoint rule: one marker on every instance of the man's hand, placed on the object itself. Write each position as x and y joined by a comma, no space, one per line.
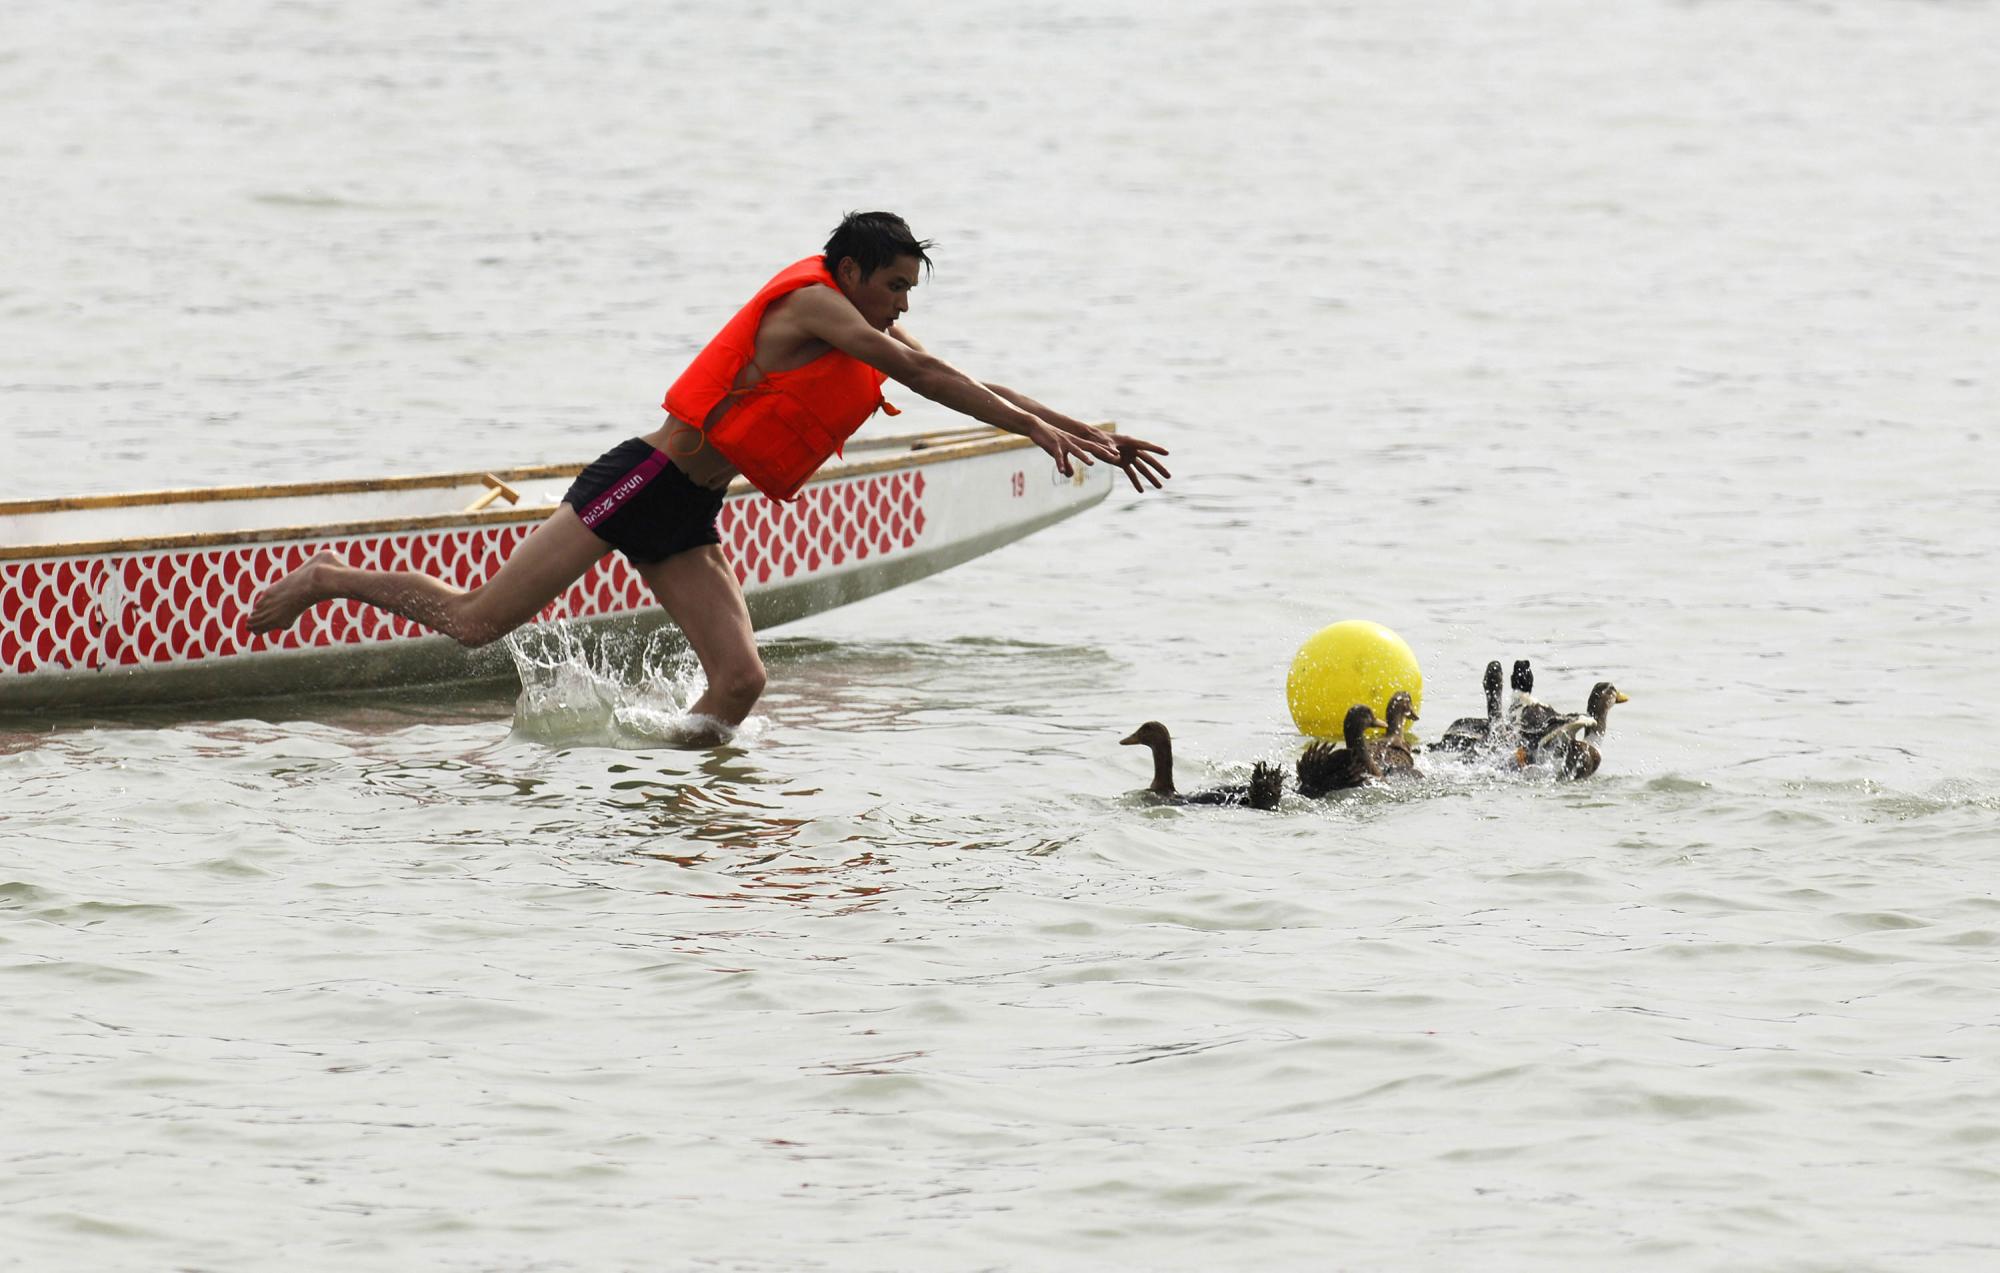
1062,446
1134,455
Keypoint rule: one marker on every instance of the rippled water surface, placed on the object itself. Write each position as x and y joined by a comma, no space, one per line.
1648,341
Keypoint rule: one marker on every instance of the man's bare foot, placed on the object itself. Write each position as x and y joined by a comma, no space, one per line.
284,601
699,732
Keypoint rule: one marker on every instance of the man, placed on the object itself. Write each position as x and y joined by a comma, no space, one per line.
772,397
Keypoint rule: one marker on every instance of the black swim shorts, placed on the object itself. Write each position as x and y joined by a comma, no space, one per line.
637,500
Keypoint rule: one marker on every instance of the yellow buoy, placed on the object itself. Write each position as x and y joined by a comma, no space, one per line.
1345,663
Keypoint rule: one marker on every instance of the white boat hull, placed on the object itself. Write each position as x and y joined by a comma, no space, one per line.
97,612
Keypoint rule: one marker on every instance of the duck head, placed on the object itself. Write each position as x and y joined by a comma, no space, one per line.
1150,734
1492,685
1401,710
1602,696
1355,725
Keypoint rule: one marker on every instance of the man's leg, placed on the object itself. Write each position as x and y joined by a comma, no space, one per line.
548,561
699,590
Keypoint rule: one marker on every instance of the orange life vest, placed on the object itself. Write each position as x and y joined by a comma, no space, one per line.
778,431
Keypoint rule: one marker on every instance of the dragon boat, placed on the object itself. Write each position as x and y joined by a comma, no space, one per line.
124,600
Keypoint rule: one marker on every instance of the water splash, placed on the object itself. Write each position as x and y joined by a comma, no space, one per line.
625,689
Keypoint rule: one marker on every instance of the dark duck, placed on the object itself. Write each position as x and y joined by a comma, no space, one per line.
1473,733
1392,750
1261,792
1324,767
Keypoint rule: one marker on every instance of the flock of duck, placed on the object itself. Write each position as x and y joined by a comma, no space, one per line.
1527,734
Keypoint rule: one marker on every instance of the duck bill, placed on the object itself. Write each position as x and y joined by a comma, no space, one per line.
1129,740
1620,698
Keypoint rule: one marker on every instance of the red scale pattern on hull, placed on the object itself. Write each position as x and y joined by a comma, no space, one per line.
132,609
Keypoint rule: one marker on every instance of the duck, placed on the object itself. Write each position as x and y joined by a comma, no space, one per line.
1537,719
1570,745
1564,749
1266,785
1471,733
1324,767
1392,750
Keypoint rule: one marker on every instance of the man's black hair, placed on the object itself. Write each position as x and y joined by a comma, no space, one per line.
874,239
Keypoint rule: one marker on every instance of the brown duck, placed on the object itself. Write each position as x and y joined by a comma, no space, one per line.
1324,767
1570,745
1392,750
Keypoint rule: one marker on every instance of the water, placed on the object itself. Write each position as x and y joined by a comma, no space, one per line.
1648,341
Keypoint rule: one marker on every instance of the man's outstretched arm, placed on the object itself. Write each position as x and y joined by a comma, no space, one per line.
1135,455
826,314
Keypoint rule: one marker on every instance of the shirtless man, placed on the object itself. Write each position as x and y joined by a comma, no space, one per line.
779,388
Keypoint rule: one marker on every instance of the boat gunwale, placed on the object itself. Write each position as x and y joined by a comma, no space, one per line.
920,448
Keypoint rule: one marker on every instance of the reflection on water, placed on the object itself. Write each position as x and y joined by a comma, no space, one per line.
366,711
